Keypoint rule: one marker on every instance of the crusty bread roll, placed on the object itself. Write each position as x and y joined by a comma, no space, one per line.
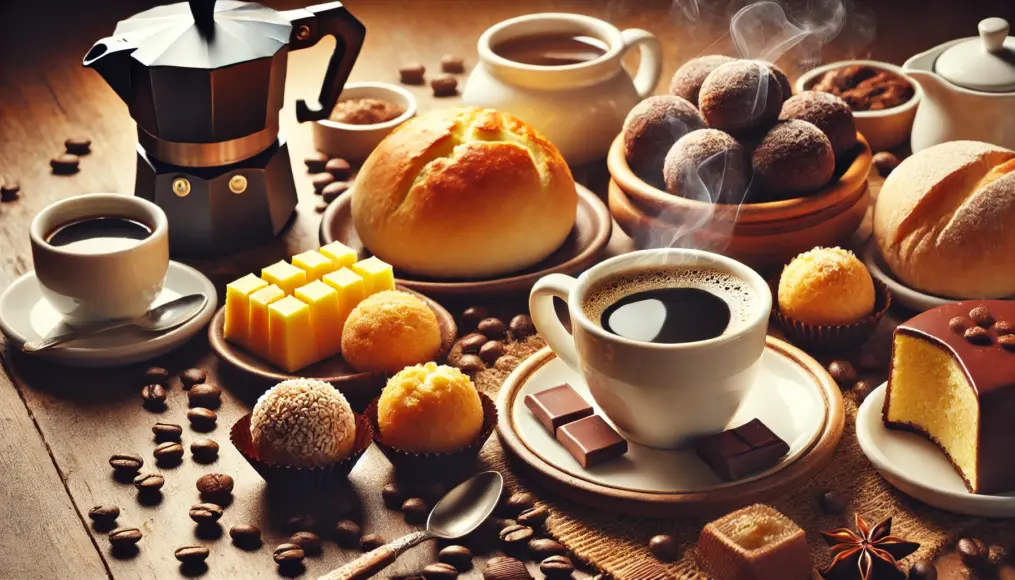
945,220
464,193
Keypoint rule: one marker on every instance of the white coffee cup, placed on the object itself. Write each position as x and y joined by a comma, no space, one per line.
659,395
89,287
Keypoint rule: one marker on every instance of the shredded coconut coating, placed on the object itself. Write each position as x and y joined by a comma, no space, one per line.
303,422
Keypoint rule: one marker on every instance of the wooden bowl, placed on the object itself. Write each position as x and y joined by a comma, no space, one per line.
762,235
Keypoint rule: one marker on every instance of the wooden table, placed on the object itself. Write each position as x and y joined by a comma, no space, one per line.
58,427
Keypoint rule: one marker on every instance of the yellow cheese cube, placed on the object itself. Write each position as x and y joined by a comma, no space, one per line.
314,264
343,256
257,335
350,289
238,307
291,338
377,275
285,276
324,316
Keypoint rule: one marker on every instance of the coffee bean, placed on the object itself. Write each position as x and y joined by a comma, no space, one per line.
534,517
1004,328
167,432
78,145
301,522
515,537
156,376
972,551
10,191
440,571
982,317
1006,341
492,351
959,324
472,315
331,191
521,326
518,502
452,64
206,513
205,395
123,537
204,450
65,164
544,548
470,364
663,547
885,163
288,554
315,162
842,372
371,542
104,514
202,419
308,541
245,535
415,510
149,482
126,462
347,534
493,328
458,556
339,168
215,485
557,567
154,397
191,377
168,453
444,85
472,342
393,496
191,555
505,568
322,180
412,74
833,502
978,335
923,570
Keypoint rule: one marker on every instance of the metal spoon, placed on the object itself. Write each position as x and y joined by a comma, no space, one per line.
458,513
158,319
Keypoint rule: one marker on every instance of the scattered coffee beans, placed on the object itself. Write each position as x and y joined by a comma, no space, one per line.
168,453
663,547
347,534
978,335
149,482
371,542
440,571
204,450
452,64
505,568
972,551
156,376
415,510
288,554
331,191
191,377
923,570
393,496
885,163
444,85
339,168
521,326
245,535
154,397
190,555
301,522
458,556
104,514
78,145
982,317
126,462
541,548
557,567
534,517
9,191
470,364
518,502
167,432
515,537
65,164
123,537
473,315
205,395
215,485
493,328
491,351
322,180
206,513
315,162
833,502
202,419
472,342
308,541
412,74
842,372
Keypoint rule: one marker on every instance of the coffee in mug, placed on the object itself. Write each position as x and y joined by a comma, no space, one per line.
552,49
96,235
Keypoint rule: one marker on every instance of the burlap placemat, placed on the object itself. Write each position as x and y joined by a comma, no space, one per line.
618,545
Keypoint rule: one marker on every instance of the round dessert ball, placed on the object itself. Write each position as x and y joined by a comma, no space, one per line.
686,82
388,331
793,158
739,96
708,165
826,112
652,127
303,422
826,286
429,408
781,78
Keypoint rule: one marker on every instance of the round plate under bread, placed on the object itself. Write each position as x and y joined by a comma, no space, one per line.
904,295
335,369
917,468
592,228
794,396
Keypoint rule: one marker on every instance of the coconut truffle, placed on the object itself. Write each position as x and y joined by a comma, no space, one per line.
828,113
652,127
388,331
686,82
793,158
303,422
826,286
429,409
739,96
708,165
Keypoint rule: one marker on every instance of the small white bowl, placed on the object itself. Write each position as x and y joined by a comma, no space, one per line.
885,129
355,142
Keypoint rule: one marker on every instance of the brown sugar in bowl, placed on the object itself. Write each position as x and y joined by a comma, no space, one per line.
762,235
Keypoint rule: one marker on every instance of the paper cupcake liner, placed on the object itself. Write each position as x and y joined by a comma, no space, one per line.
834,337
435,465
301,478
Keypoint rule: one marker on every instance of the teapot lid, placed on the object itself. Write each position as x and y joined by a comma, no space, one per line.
205,34
984,64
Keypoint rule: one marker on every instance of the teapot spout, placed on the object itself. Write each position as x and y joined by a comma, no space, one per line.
110,57
930,83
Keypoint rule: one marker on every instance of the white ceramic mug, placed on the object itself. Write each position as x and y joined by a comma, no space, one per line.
101,286
580,107
660,395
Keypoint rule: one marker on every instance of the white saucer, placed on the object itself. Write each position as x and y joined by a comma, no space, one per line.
918,468
25,315
904,295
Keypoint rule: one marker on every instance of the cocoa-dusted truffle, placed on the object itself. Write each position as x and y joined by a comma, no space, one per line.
739,96
686,82
652,127
303,422
828,113
708,165
794,157
782,79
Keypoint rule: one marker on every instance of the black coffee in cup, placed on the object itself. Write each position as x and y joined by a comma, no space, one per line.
670,305
551,49
99,235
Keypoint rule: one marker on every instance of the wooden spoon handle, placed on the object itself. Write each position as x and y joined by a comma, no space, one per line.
373,562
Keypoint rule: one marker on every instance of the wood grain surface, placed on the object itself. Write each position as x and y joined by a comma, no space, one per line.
58,427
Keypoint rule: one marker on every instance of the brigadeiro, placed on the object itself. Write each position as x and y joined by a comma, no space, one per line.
739,96
828,113
686,82
652,127
782,79
793,158
708,165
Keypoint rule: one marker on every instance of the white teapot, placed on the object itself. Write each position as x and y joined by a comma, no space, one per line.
969,89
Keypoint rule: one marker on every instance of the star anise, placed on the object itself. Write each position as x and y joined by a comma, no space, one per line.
868,553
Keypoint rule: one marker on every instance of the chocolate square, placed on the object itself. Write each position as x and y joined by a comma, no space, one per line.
591,441
557,406
739,452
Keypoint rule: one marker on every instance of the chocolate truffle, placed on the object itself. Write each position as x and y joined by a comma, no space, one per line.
739,96
389,331
826,112
303,422
686,82
782,79
708,165
826,286
652,127
793,158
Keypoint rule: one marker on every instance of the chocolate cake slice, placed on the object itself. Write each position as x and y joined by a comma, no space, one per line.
953,381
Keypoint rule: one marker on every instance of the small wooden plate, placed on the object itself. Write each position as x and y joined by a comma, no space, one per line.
592,228
793,395
334,370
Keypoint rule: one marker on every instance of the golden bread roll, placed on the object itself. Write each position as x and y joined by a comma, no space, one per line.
945,221
464,193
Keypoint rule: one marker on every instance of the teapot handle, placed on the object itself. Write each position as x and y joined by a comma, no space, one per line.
651,66
309,26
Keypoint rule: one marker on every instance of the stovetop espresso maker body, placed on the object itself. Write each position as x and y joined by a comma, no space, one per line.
204,81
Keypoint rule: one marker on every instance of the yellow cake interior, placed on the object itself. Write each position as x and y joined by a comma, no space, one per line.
930,391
